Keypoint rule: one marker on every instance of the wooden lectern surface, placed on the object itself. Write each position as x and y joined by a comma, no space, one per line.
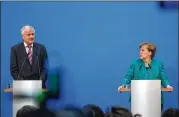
129,90
10,90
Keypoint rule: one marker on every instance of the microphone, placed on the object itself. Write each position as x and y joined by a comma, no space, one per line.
21,68
38,64
138,71
151,70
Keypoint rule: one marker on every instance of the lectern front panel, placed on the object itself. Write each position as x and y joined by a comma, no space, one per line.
24,93
146,97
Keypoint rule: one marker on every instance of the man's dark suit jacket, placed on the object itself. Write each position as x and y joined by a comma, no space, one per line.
20,67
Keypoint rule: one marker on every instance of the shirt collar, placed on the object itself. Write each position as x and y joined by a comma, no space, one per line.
144,63
26,45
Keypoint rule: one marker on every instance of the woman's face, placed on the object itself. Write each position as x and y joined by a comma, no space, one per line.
144,53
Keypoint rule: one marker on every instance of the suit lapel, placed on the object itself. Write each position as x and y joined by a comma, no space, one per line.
24,53
34,55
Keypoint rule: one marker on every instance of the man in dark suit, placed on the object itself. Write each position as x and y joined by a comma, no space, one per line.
28,59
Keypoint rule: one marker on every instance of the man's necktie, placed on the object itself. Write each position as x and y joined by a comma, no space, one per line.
30,54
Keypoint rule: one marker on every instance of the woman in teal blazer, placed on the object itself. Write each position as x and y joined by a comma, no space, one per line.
146,68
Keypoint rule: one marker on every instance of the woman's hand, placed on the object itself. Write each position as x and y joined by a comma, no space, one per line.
170,87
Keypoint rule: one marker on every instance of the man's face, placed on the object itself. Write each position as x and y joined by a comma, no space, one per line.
28,36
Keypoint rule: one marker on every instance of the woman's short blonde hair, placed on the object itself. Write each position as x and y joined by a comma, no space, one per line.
150,47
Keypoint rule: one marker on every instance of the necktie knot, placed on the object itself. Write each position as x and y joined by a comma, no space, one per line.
29,47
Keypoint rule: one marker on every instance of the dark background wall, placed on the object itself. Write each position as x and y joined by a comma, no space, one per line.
93,44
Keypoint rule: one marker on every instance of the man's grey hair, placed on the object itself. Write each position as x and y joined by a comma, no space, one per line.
27,27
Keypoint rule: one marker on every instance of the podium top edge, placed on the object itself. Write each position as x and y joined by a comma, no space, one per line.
129,90
11,90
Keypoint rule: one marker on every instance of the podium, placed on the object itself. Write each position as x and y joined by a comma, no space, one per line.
24,93
146,97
